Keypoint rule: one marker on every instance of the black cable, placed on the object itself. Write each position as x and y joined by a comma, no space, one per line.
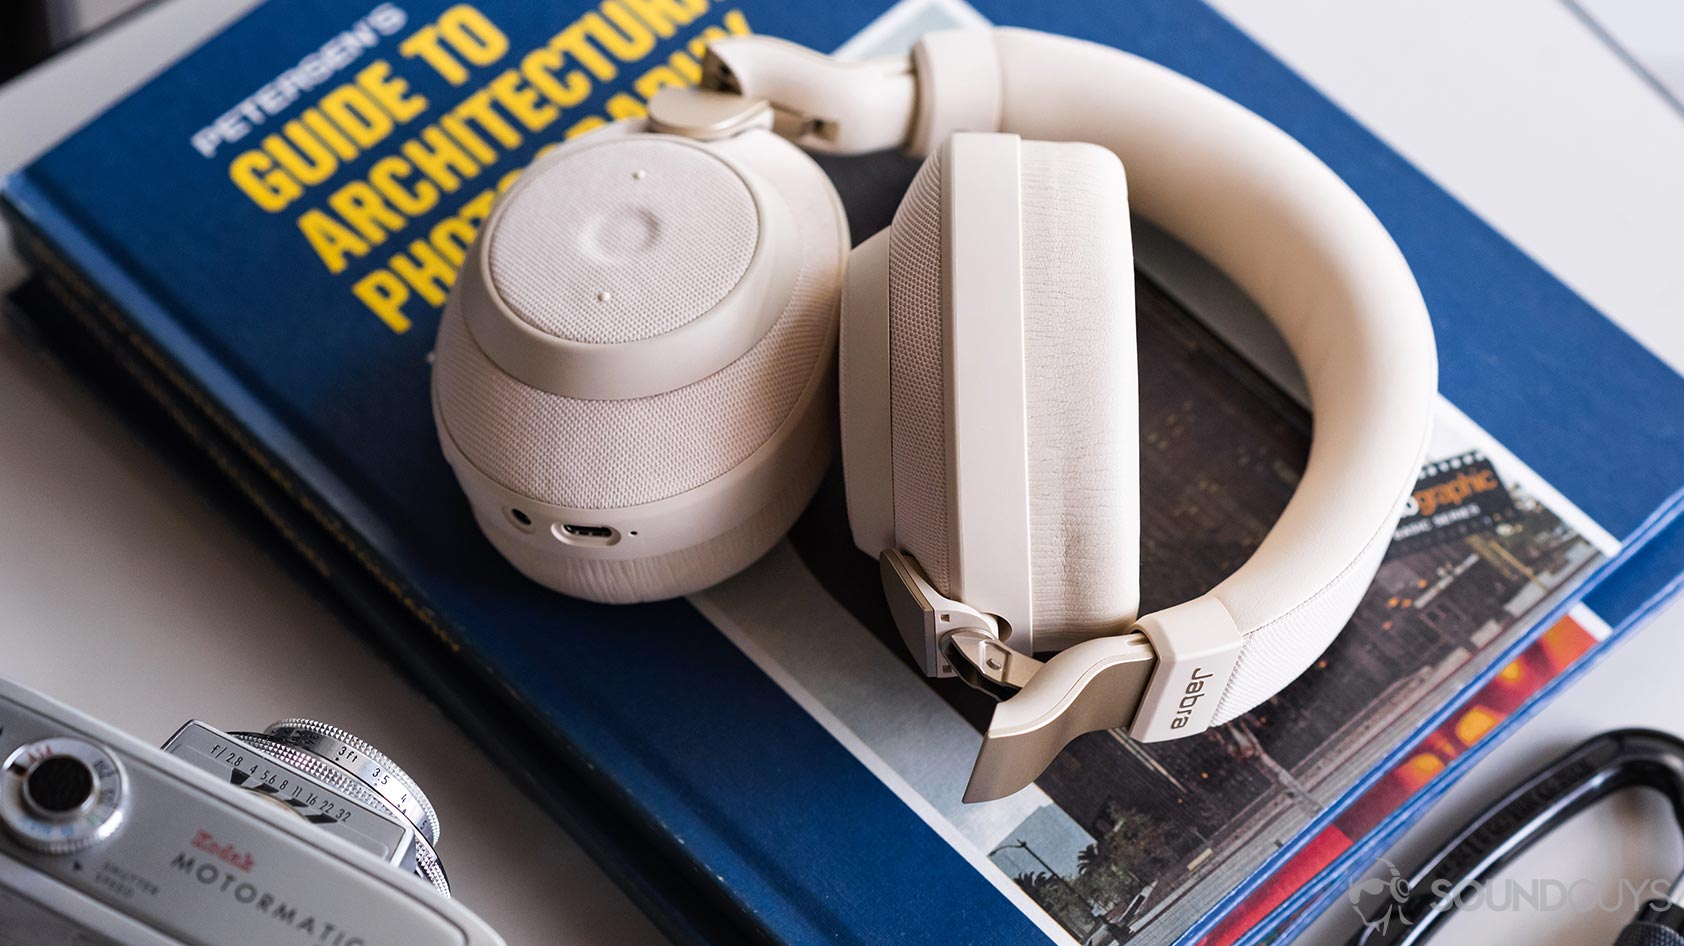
1530,810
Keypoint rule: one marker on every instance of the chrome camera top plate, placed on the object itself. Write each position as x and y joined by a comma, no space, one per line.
105,840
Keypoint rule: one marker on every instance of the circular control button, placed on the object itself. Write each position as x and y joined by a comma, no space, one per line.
59,786
61,795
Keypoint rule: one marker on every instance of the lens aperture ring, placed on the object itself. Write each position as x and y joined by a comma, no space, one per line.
427,864
318,768
370,765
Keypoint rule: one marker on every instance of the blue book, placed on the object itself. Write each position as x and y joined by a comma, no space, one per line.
1635,592
740,786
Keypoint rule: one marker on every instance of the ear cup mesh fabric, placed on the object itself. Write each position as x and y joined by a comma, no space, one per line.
916,376
1081,391
639,451
1080,388
589,454
623,241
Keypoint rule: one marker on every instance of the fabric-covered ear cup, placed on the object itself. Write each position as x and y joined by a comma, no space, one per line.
1080,388
918,425
622,499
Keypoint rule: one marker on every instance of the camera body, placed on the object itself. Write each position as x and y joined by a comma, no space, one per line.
251,838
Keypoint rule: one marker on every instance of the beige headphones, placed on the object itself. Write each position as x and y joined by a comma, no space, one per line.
633,378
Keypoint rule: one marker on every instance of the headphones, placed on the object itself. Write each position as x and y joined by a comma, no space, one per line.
633,379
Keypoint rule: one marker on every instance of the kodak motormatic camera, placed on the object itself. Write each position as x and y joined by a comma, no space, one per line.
302,835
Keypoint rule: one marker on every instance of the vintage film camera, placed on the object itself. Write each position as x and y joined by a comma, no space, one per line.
302,835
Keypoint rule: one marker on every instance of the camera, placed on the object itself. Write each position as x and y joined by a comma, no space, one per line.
302,834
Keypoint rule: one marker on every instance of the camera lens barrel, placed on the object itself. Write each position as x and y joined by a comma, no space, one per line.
371,780
367,763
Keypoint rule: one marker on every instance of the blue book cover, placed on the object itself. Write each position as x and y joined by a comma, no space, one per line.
288,306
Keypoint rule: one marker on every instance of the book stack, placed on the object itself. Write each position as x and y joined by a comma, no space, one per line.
207,254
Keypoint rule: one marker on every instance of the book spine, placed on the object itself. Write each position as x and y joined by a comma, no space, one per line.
97,311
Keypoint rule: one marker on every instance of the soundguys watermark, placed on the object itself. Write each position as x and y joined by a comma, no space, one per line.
1389,899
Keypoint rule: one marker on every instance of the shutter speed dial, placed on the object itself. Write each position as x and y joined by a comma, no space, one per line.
61,795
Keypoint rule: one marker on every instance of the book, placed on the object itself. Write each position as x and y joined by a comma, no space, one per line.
740,786
1321,875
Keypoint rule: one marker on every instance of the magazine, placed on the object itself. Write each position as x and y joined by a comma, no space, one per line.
1401,794
1143,840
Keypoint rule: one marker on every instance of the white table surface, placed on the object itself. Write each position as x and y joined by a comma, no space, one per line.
130,596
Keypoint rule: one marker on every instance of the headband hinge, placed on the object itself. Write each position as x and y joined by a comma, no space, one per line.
979,659
820,103
926,618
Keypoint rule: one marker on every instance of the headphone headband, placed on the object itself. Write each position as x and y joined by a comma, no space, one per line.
1286,230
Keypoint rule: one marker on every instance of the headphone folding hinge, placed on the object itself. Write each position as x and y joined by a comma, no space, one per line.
950,638
707,114
821,103
982,661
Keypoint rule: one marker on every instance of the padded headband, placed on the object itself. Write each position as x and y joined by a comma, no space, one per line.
1287,231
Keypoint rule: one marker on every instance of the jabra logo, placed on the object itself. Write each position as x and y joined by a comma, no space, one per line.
1190,697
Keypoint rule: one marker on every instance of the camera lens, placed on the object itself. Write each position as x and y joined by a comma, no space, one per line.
59,786
355,768
369,765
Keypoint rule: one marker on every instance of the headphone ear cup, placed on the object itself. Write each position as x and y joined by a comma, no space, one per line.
1080,419
634,377
1081,390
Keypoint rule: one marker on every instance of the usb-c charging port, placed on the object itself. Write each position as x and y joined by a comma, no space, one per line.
574,534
